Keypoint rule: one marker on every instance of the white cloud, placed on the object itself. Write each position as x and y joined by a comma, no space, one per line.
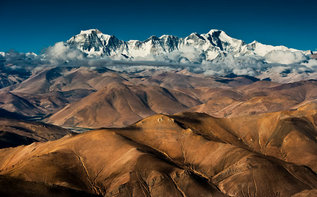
284,57
62,53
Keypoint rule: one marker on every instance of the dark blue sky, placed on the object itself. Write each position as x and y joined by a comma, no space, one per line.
31,25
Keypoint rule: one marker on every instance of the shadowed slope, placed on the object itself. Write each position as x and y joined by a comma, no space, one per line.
15,103
15,131
11,187
101,162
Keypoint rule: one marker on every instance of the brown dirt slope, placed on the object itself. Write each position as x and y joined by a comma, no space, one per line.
119,104
189,154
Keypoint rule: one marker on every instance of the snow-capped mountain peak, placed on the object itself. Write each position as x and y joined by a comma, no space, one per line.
94,43
214,30
90,31
214,52
195,48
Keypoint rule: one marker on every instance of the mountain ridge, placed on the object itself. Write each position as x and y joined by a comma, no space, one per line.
214,53
215,43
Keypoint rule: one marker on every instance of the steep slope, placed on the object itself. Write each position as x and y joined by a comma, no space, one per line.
258,97
197,142
180,155
65,79
14,131
50,89
116,167
290,136
287,135
14,103
119,104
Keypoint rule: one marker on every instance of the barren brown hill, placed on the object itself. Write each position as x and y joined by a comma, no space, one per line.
256,98
119,104
138,98
85,97
50,89
287,135
190,154
15,130
14,103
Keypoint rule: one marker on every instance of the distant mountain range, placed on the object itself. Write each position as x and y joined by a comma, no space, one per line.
99,97
213,53
195,48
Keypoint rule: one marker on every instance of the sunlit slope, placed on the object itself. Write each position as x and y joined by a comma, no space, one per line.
189,154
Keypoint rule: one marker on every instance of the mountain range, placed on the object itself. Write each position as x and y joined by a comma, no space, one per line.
215,44
84,97
204,115
213,53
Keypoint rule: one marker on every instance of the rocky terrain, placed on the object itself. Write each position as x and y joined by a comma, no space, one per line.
84,97
203,115
188,154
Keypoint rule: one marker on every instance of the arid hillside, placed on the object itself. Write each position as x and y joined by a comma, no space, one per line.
187,154
226,97
17,130
85,97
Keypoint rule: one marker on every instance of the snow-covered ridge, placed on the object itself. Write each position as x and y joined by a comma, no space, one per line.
195,48
212,53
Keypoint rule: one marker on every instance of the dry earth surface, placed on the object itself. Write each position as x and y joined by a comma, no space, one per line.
187,154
